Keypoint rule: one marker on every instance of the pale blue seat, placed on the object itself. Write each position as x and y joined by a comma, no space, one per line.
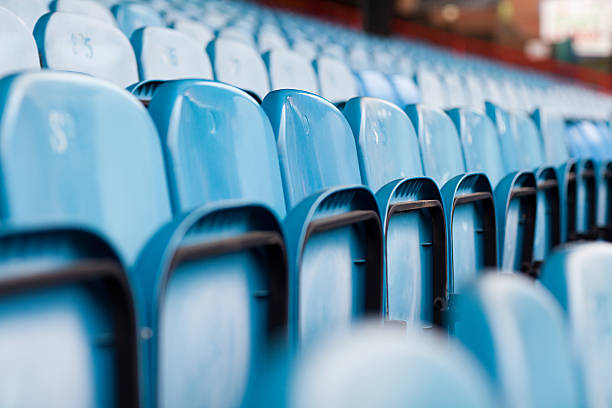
238,64
28,11
72,42
198,32
377,85
333,226
88,8
578,276
131,16
467,198
17,49
336,80
411,209
517,331
430,85
289,70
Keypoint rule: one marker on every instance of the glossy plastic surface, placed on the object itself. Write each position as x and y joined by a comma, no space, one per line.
28,11
337,82
131,16
88,8
17,49
290,70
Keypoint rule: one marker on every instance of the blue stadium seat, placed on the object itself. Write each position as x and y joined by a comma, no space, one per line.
333,222
197,31
270,38
377,85
131,16
28,11
163,54
515,193
467,199
72,42
17,49
70,165
378,367
336,80
408,92
523,151
430,85
240,65
517,331
578,276
411,210
289,70
88,8
237,33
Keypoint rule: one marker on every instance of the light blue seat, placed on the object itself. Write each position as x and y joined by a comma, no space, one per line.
164,54
379,367
467,198
377,85
553,132
523,150
515,193
411,209
70,169
430,85
240,65
17,49
517,331
333,226
28,11
269,38
289,70
72,42
336,80
197,31
578,276
407,91
88,8
131,16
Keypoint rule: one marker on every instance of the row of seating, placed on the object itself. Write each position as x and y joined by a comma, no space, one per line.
286,219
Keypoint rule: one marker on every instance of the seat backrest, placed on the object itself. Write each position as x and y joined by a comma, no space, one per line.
306,48
336,80
579,278
475,91
516,330
530,141
377,85
97,164
201,34
88,8
387,144
440,374
455,90
17,49
72,42
441,149
270,38
289,70
408,92
553,132
131,16
238,64
315,144
576,142
430,85
480,143
218,145
163,53
28,11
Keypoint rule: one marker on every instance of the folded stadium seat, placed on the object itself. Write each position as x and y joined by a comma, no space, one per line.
269,38
289,70
72,42
411,210
467,199
523,150
28,11
237,33
455,91
377,85
333,225
306,48
89,8
553,133
475,91
336,80
430,85
131,16
517,331
515,191
163,54
197,31
407,91
377,367
17,49
238,64
578,276
334,50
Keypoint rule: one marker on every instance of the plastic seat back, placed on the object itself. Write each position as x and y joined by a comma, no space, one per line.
289,70
72,42
516,330
511,140
530,142
18,49
131,16
430,85
238,64
210,155
96,164
163,53
377,85
407,91
553,132
28,11
579,278
201,34
337,81
88,8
